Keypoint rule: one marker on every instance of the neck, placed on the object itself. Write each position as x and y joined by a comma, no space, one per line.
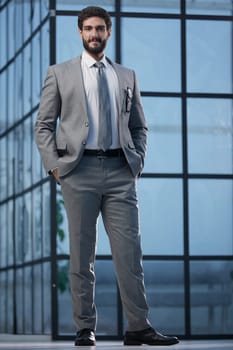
96,57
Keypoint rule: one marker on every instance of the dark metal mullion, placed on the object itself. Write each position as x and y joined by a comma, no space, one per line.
118,30
118,60
53,205
14,254
42,212
185,171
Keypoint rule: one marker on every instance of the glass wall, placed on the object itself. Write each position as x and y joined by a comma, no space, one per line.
25,254
182,54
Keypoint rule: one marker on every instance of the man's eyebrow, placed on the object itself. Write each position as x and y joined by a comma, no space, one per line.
97,27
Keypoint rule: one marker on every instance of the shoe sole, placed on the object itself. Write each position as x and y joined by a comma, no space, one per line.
134,342
84,343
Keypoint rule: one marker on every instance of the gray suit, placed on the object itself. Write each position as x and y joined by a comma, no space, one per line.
63,95
91,185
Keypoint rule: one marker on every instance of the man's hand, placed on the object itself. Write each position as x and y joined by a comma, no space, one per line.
56,175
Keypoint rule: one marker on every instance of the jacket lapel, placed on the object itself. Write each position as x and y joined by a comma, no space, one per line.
79,85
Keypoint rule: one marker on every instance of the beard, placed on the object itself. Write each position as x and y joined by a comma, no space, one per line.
94,50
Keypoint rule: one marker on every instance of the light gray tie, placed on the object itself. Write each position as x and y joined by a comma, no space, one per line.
105,127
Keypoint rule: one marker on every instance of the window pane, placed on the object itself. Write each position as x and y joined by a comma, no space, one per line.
27,157
164,282
44,8
10,94
37,224
28,300
212,42
27,227
37,299
160,199
211,297
11,163
27,93
18,87
62,226
18,24
210,138
45,34
155,6
36,64
3,98
36,159
156,62
10,31
18,148
27,18
69,44
209,7
10,228
3,169
79,5
47,298
19,232
19,300
46,218
3,236
35,13
3,23
9,302
164,138
211,217
3,298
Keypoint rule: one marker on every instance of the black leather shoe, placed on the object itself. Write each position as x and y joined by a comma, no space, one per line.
85,337
148,336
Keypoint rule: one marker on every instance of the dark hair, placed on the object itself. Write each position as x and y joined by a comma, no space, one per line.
94,11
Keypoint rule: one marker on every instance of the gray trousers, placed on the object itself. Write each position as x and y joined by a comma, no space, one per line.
106,186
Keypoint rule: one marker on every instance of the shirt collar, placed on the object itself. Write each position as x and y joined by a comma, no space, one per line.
90,61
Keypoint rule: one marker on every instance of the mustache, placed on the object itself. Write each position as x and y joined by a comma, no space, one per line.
95,39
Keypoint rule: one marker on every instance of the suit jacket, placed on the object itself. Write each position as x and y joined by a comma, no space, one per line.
62,124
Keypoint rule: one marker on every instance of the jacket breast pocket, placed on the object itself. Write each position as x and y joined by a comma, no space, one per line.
128,99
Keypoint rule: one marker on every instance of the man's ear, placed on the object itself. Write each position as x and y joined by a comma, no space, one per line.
109,32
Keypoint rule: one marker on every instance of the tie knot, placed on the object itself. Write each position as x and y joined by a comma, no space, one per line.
99,65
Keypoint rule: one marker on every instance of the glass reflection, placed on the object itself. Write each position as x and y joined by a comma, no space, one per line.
211,297
211,217
154,53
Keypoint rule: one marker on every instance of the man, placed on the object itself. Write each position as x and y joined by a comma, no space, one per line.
96,153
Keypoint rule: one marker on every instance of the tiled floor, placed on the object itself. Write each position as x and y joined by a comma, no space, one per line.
27,343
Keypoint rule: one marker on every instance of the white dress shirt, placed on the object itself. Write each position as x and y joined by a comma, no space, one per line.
92,98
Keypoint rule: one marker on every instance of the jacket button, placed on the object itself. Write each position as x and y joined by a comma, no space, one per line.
84,142
86,124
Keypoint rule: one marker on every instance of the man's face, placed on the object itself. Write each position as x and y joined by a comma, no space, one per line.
94,35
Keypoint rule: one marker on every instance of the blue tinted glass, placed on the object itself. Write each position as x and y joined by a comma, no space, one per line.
211,290
109,5
155,6
211,217
161,209
164,281
3,24
210,142
163,117
152,48
212,42
210,7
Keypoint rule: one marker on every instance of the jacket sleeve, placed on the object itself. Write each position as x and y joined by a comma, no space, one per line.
137,123
46,123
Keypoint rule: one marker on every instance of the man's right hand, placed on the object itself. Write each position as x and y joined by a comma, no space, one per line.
56,175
